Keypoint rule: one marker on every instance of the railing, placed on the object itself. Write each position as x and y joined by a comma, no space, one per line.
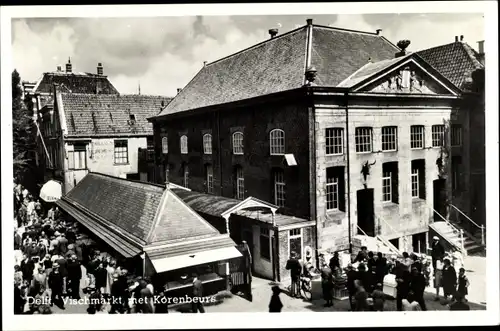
455,230
364,233
394,231
481,227
389,245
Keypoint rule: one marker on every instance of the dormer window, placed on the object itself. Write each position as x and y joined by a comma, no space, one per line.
132,119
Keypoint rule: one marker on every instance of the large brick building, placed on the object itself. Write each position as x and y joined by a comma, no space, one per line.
339,127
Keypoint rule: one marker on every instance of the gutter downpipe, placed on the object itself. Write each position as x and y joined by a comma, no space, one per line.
348,170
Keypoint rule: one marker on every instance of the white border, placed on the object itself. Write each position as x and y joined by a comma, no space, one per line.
181,321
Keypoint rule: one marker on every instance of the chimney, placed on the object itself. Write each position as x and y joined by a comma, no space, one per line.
59,68
461,38
379,32
179,90
480,46
309,21
273,33
456,39
100,69
403,45
69,66
204,63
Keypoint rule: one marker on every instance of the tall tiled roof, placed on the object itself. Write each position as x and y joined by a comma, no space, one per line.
455,61
109,114
147,211
75,82
128,205
278,65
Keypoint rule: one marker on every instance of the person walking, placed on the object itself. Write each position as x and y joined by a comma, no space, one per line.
275,304
295,271
197,304
463,284
438,252
327,285
56,281
74,277
417,286
449,280
403,283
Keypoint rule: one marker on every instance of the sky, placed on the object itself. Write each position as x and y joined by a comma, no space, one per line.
162,54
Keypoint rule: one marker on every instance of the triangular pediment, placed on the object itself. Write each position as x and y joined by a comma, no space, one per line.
410,75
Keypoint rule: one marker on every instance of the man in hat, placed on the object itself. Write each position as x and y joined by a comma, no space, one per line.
295,268
437,251
56,281
327,285
74,276
417,286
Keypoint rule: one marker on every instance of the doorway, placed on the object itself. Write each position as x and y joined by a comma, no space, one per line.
366,217
439,204
248,237
395,242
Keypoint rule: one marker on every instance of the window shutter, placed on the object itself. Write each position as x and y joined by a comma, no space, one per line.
71,160
342,185
395,184
421,181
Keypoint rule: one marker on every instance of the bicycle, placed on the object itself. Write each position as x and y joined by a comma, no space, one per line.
304,288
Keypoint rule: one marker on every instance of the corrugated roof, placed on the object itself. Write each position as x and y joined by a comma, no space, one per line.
455,61
91,114
220,241
278,65
75,82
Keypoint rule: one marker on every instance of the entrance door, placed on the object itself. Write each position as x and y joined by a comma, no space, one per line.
439,199
366,218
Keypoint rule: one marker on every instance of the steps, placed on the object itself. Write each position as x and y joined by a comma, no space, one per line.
452,235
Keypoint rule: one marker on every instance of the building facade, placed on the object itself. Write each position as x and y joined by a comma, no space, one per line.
95,132
340,136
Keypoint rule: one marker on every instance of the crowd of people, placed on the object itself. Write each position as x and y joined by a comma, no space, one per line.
48,266
365,275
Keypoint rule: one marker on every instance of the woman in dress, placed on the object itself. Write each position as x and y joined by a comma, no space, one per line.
463,284
449,279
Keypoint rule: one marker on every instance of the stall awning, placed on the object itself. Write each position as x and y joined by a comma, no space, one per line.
126,249
187,260
51,191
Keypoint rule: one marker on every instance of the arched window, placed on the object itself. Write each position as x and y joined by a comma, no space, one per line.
238,143
184,145
277,142
207,144
164,145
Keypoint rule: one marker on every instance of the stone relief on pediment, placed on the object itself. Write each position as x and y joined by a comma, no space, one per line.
407,80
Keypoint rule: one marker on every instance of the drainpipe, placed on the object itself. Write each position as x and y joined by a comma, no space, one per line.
348,171
220,153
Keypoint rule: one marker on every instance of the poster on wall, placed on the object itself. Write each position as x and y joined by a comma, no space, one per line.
296,246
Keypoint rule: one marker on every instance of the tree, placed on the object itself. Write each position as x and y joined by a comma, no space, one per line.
23,135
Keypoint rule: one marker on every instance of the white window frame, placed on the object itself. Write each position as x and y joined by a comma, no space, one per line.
207,144
334,141
77,155
389,138
387,183
417,136
238,143
240,184
185,175
292,234
277,142
438,135
332,193
164,145
456,135
363,139
120,151
415,183
210,178
279,188
184,144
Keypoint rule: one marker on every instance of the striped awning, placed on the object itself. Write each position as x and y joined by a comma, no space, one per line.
120,245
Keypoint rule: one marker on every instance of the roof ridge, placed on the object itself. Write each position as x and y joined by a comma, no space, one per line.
128,180
343,29
472,55
257,45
